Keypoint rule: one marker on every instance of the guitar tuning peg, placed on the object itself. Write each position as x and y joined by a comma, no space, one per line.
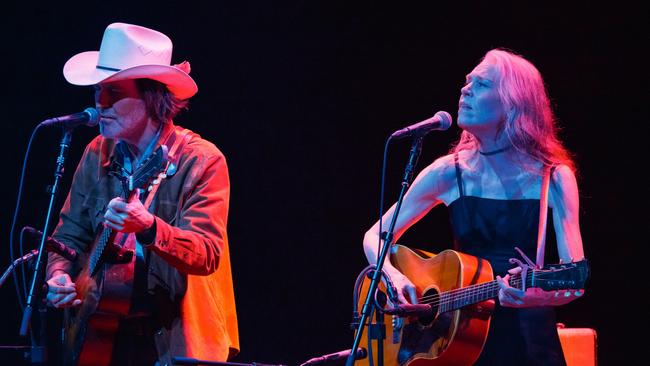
149,188
162,175
155,181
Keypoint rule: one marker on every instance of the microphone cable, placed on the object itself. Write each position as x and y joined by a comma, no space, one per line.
13,225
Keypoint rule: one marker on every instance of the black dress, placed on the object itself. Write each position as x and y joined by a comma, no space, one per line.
490,229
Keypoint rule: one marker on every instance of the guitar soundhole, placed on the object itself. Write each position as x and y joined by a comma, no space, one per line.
430,297
382,298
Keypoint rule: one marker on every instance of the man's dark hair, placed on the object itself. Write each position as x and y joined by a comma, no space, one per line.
161,104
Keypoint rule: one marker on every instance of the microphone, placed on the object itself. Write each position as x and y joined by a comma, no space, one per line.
53,245
440,121
337,358
89,117
404,310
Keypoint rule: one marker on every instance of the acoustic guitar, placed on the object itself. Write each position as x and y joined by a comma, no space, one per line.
460,290
105,282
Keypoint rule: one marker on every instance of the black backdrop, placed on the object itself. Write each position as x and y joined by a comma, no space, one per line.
301,96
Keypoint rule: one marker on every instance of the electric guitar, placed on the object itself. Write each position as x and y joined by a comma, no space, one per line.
460,289
106,280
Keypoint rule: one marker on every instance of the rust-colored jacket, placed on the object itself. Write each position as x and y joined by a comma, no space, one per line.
189,261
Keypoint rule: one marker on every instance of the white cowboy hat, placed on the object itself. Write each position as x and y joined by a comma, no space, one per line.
131,52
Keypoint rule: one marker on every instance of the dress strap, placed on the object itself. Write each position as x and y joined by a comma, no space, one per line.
459,178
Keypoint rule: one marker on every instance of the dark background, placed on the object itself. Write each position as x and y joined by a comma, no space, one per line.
300,98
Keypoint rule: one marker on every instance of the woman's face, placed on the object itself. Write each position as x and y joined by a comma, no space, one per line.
480,109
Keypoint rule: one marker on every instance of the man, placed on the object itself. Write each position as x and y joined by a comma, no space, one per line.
183,301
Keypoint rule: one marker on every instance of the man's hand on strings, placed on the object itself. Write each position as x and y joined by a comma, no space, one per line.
128,217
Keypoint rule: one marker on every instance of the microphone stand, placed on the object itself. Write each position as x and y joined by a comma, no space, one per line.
38,286
25,258
416,148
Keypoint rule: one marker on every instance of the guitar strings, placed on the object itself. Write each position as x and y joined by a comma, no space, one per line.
462,293
467,293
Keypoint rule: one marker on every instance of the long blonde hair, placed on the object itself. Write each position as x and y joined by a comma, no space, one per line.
530,125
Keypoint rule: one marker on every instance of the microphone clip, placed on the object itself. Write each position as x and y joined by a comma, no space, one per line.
415,310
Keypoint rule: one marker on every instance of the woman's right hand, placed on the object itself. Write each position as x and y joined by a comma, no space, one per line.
61,291
406,293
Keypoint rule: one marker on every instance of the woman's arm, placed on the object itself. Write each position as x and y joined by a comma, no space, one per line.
421,197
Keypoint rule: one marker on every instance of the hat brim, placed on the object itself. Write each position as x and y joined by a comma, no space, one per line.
81,69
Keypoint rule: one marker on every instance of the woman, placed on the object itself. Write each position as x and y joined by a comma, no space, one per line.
491,182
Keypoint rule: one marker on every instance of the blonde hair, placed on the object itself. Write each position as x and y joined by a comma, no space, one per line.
530,124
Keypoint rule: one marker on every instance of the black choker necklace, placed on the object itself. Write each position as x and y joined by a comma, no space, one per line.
493,152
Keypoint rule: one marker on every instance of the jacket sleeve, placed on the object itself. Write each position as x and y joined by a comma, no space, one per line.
194,243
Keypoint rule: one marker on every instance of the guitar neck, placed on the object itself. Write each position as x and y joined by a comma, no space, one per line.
104,237
554,277
458,298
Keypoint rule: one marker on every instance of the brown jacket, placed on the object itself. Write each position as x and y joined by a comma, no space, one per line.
188,261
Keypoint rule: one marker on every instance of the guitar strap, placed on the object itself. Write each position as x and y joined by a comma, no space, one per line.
161,336
182,138
543,217
541,231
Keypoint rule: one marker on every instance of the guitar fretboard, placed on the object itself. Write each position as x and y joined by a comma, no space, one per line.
569,276
456,299
96,255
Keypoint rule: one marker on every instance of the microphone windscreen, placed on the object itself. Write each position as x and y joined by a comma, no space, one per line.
445,120
93,114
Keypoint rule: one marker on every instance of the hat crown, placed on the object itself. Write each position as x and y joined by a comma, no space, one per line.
126,45
130,51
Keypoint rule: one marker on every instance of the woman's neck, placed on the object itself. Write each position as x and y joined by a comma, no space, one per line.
493,146
494,152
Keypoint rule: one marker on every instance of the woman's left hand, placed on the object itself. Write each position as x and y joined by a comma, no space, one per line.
513,297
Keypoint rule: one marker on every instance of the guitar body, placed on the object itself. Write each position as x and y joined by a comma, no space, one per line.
446,338
106,297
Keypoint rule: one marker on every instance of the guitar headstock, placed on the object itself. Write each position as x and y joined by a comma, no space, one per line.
562,276
147,171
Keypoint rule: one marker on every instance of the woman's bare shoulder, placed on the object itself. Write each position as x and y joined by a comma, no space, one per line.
443,165
564,180
442,177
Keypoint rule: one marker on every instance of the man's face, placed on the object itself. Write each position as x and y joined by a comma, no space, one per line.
122,111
